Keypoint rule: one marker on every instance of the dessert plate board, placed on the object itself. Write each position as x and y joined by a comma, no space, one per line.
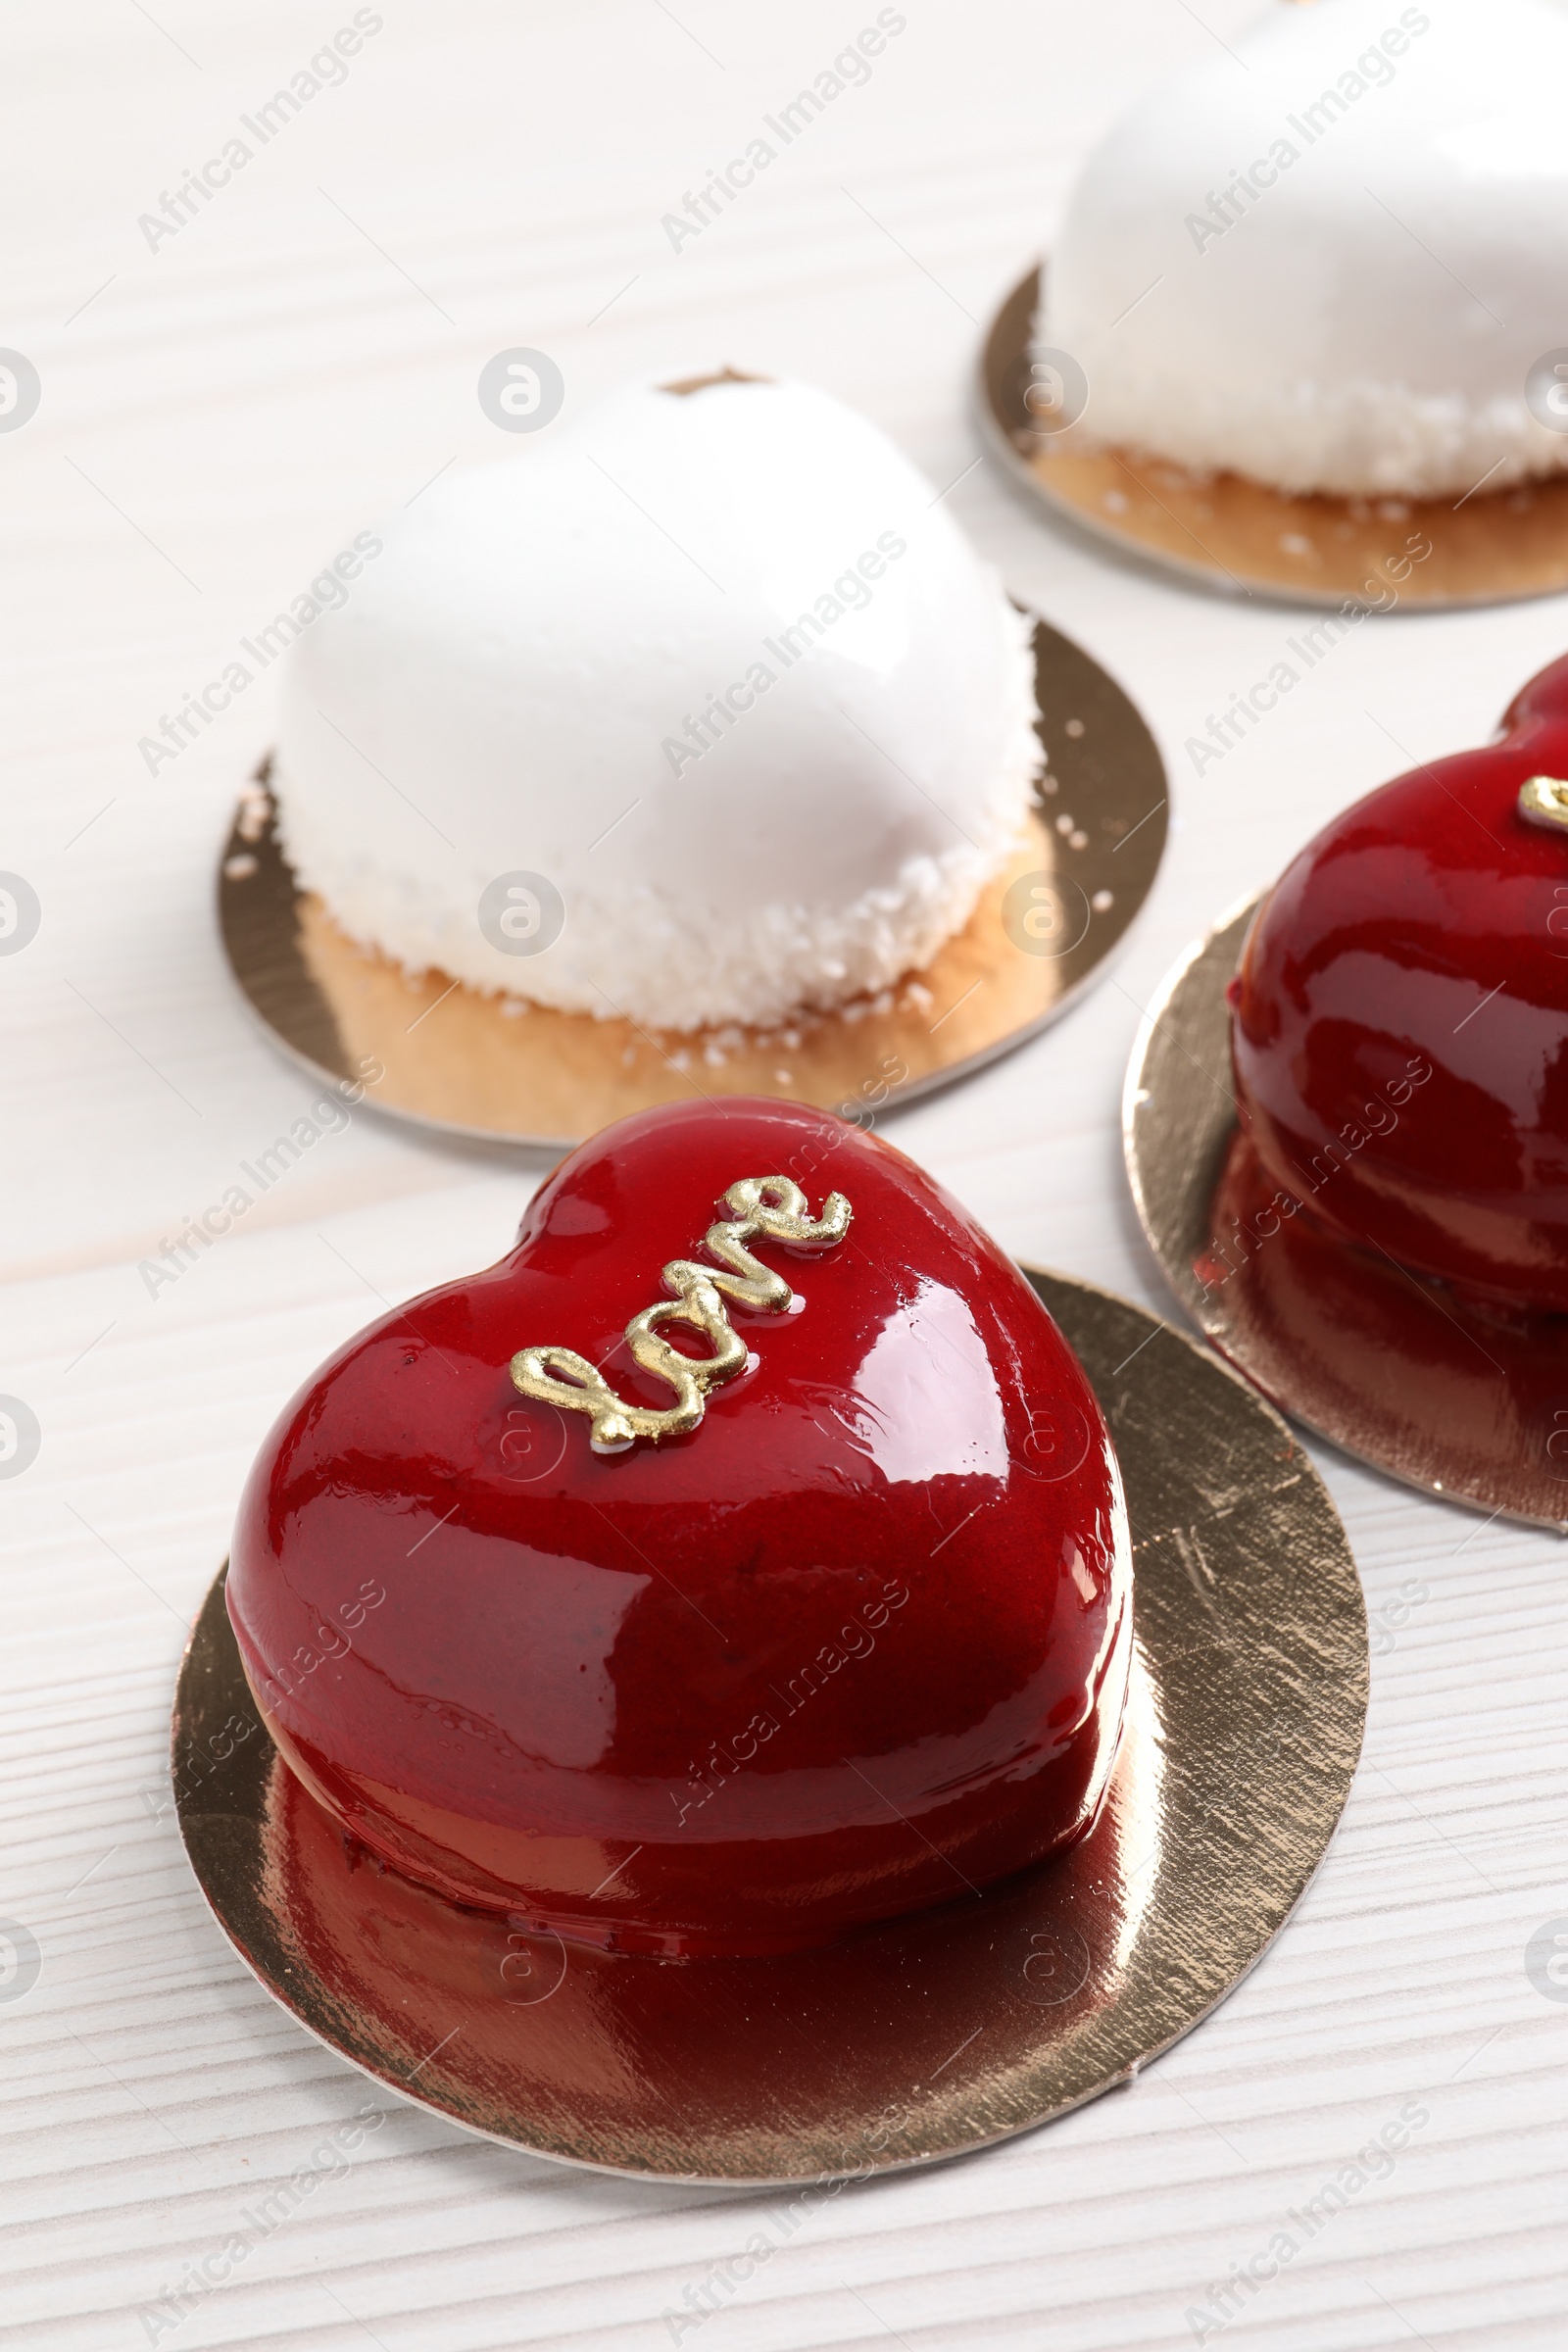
1232,533
1394,1370
928,2037
483,1067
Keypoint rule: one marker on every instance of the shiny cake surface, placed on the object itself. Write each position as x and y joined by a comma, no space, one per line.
855,1643
1401,1033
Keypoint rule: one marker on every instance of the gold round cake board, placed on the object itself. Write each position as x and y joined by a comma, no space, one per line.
931,2036
1487,546
1397,1371
503,1070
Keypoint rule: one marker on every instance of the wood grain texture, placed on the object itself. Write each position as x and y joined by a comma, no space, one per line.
222,417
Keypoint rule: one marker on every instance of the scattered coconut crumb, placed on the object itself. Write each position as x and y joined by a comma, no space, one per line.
1065,823
628,1058
790,1038
714,1054
1116,502
1075,727
918,998
680,1060
1102,901
1050,783
783,1078
1077,841
1292,543
240,867
255,811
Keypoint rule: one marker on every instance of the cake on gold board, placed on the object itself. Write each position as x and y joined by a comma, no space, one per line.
693,751
1303,328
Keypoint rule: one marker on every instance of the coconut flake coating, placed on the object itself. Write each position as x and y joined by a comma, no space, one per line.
1331,260
712,663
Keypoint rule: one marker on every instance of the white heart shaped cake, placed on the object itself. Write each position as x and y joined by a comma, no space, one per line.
1333,256
712,665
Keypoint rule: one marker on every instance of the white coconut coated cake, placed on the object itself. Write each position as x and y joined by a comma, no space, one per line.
1331,258
713,662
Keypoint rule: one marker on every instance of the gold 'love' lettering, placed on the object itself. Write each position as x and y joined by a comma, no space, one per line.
1543,801
759,1207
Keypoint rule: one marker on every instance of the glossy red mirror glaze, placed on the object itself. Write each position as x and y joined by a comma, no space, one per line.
856,1645
1401,1032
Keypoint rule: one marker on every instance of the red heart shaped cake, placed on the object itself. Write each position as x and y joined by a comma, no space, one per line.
1400,1031
740,1561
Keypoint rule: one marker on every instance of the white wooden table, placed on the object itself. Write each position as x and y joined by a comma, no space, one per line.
222,408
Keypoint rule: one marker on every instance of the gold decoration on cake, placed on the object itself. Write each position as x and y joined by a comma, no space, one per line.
726,374
1543,801
757,1207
